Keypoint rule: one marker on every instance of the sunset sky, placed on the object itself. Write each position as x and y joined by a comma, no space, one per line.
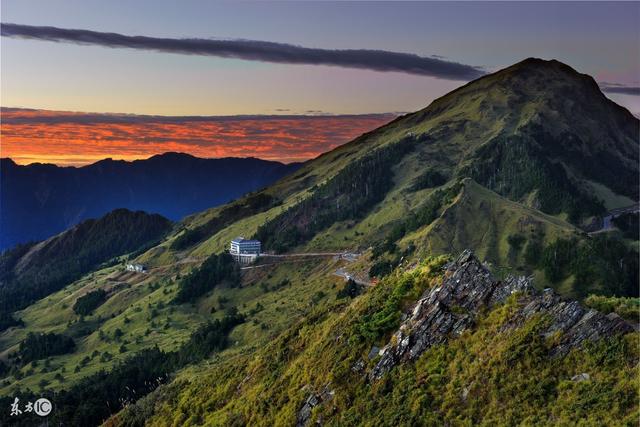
304,70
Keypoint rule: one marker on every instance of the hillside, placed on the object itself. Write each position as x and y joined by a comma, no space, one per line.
472,350
40,200
479,218
510,131
507,166
33,271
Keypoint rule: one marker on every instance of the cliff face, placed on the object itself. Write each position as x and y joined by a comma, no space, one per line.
468,289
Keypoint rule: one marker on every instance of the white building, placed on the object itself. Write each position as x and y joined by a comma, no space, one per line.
242,246
138,268
244,251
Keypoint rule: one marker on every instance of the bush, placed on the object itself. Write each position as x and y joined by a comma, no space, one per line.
516,241
429,178
89,302
214,270
628,224
350,289
629,308
41,346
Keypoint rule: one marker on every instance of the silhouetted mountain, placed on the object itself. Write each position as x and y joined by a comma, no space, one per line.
40,200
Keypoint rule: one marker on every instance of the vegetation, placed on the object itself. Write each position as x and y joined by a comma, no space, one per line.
350,290
40,346
406,288
246,207
424,215
515,167
629,308
89,302
96,397
68,256
516,241
629,224
214,270
429,178
487,376
348,195
603,264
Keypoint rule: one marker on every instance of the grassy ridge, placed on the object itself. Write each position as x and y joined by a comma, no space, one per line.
486,375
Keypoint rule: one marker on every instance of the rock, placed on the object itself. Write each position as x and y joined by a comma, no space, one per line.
311,402
581,377
465,393
358,366
373,353
468,288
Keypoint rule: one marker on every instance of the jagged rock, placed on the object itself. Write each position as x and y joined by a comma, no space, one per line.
468,287
311,402
575,323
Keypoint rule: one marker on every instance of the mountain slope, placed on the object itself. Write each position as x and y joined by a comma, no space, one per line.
538,133
31,272
40,200
479,218
472,350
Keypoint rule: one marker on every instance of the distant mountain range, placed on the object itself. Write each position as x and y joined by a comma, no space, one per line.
40,200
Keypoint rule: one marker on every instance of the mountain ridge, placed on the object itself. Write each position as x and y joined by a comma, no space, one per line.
172,184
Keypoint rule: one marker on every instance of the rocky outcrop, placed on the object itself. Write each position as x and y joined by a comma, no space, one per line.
313,400
468,288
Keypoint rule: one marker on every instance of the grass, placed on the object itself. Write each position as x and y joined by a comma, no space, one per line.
508,375
129,310
611,200
483,220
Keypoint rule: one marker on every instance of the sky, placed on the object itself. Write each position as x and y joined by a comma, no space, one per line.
432,48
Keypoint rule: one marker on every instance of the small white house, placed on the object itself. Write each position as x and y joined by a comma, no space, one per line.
138,268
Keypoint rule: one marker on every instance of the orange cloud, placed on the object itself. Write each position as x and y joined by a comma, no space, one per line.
68,138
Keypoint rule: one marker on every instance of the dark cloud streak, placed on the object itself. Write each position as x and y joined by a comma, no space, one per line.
254,50
620,88
31,116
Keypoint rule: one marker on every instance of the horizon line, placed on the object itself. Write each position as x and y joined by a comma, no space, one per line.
133,159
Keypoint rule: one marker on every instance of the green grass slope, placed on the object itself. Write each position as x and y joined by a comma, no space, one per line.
486,376
481,219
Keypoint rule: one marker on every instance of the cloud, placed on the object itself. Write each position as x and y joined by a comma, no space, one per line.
79,138
255,50
12,115
620,88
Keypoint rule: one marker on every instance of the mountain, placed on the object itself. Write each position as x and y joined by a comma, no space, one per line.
515,132
32,271
369,305
471,349
40,200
